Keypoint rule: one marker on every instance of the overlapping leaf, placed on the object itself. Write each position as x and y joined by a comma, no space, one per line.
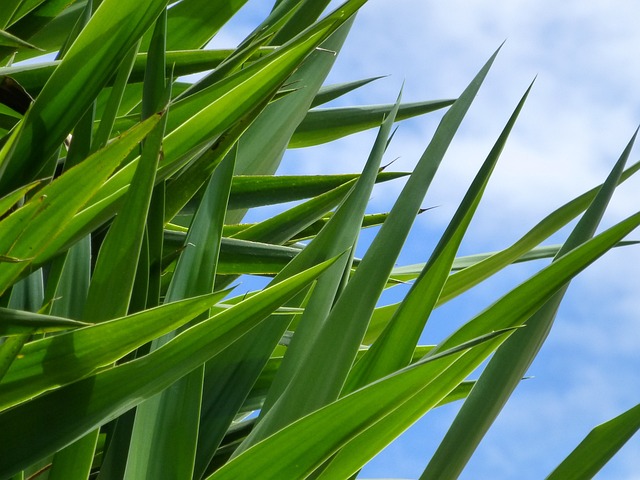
106,395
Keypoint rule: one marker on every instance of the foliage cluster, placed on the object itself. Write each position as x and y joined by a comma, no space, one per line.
124,352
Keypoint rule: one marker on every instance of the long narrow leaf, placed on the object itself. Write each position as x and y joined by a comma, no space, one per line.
28,231
15,322
74,85
172,418
468,277
598,447
106,395
339,230
114,273
258,190
510,363
45,364
395,346
323,370
284,455
234,97
325,125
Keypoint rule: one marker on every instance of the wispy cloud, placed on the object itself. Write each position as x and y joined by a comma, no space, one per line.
583,109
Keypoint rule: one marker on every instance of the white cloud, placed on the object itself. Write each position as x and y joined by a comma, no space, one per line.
581,113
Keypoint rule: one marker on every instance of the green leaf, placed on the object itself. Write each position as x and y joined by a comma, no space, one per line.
27,295
260,151
74,85
259,391
190,181
33,77
14,96
47,26
394,348
280,228
511,361
233,382
369,220
325,125
471,276
68,280
331,92
258,190
192,23
24,7
407,273
326,430
10,200
108,394
47,214
321,372
10,349
598,447
8,40
112,104
235,95
239,257
9,7
76,459
226,102
341,229
530,295
46,364
16,322
115,269
172,418
264,144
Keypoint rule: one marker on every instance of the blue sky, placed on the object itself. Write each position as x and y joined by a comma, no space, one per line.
583,109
